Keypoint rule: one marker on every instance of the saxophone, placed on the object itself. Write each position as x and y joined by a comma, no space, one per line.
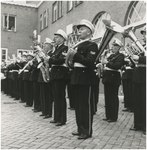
42,64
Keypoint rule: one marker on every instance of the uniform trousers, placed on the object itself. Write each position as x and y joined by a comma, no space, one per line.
36,95
128,93
70,95
59,86
21,90
28,92
46,98
140,106
95,96
84,110
111,101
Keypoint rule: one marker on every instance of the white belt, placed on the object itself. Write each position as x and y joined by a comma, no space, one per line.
79,65
10,71
14,70
64,65
106,68
26,70
128,67
141,65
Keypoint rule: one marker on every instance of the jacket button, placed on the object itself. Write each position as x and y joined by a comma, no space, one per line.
83,71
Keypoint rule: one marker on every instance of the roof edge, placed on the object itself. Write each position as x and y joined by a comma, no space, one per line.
13,3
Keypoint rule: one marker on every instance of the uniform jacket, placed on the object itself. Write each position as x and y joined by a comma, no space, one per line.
34,72
139,75
127,73
86,55
115,61
26,75
58,59
22,64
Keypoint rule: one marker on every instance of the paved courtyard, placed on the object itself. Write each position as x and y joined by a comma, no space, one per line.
21,128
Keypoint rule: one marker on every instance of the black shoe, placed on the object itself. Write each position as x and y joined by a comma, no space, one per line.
82,136
105,119
36,110
27,106
125,109
135,129
21,101
47,116
53,121
59,124
76,133
42,115
111,120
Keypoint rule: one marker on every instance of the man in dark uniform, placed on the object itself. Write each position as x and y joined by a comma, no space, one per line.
46,95
139,80
83,78
23,62
28,85
127,74
59,77
112,80
34,73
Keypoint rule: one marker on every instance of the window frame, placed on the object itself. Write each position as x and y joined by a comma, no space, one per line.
58,10
77,3
54,19
45,23
23,50
131,10
7,24
41,22
6,49
68,10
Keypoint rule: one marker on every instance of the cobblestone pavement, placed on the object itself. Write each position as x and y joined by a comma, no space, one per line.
21,128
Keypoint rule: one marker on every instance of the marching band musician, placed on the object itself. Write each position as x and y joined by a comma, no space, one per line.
28,87
23,62
127,85
112,80
139,80
46,97
83,78
59,76
34,74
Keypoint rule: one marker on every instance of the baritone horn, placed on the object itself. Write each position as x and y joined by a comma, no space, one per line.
136,45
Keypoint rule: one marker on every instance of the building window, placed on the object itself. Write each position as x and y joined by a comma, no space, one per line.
9,22
41,22
45,19
69,5
137,12
136,17
55,14
99,25
59,9
78,3
4,52
21,51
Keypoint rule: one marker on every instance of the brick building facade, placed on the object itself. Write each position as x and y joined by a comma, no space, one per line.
48,16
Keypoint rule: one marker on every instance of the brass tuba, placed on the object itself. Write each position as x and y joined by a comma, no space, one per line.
111,29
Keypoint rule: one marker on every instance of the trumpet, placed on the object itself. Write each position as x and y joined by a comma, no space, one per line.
27,64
